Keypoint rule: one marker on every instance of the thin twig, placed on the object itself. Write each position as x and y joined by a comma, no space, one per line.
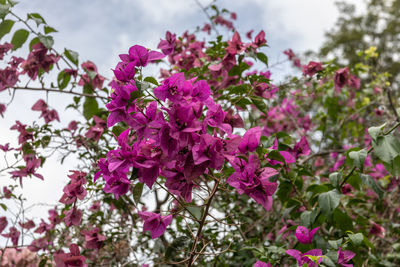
58,91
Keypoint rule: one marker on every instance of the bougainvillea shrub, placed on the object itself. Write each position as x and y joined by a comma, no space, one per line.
211,162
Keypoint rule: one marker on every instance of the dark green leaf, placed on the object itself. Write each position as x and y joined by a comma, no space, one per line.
43,262
48,29
370,182
3,206
19,38
72,56
45,141
259,103
263,58
284,190
5,27
342,220
151,80
328,201
239,89
63,79
33,42
90,107
36,17
137,192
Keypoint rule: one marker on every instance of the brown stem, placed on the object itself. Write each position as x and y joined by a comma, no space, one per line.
393,108
203,219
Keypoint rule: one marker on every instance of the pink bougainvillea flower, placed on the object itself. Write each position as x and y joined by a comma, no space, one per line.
3,223
2,109
262,264
32,163
155,223
38,59
311,68
344,257
73,217
13,234
6,147
141,56
251,140
40,105
167,46
302,257
377,230
235,46
7,193
304,235
341,78
172,88
259,40
91,76
71,259
27,225
354,82
93,239
4,48
254,181
302,148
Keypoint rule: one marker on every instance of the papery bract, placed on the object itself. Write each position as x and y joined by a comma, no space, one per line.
155,223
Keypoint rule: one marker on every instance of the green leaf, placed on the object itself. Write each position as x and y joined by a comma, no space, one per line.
387,147
196,211
328,201
5,27
359,158
370,182
63,79
335,244
43,262
276,156
284,190
394,166
356,239
335,178
90,107
4,10
36,17
328,262
239,89
375,131
151,80
307,218
72,56
48,29
259,103
45,141
263,58
342,220
46,40
137,192
4,207
33,42
19,38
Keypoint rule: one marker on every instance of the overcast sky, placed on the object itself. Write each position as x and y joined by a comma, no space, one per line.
100,30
